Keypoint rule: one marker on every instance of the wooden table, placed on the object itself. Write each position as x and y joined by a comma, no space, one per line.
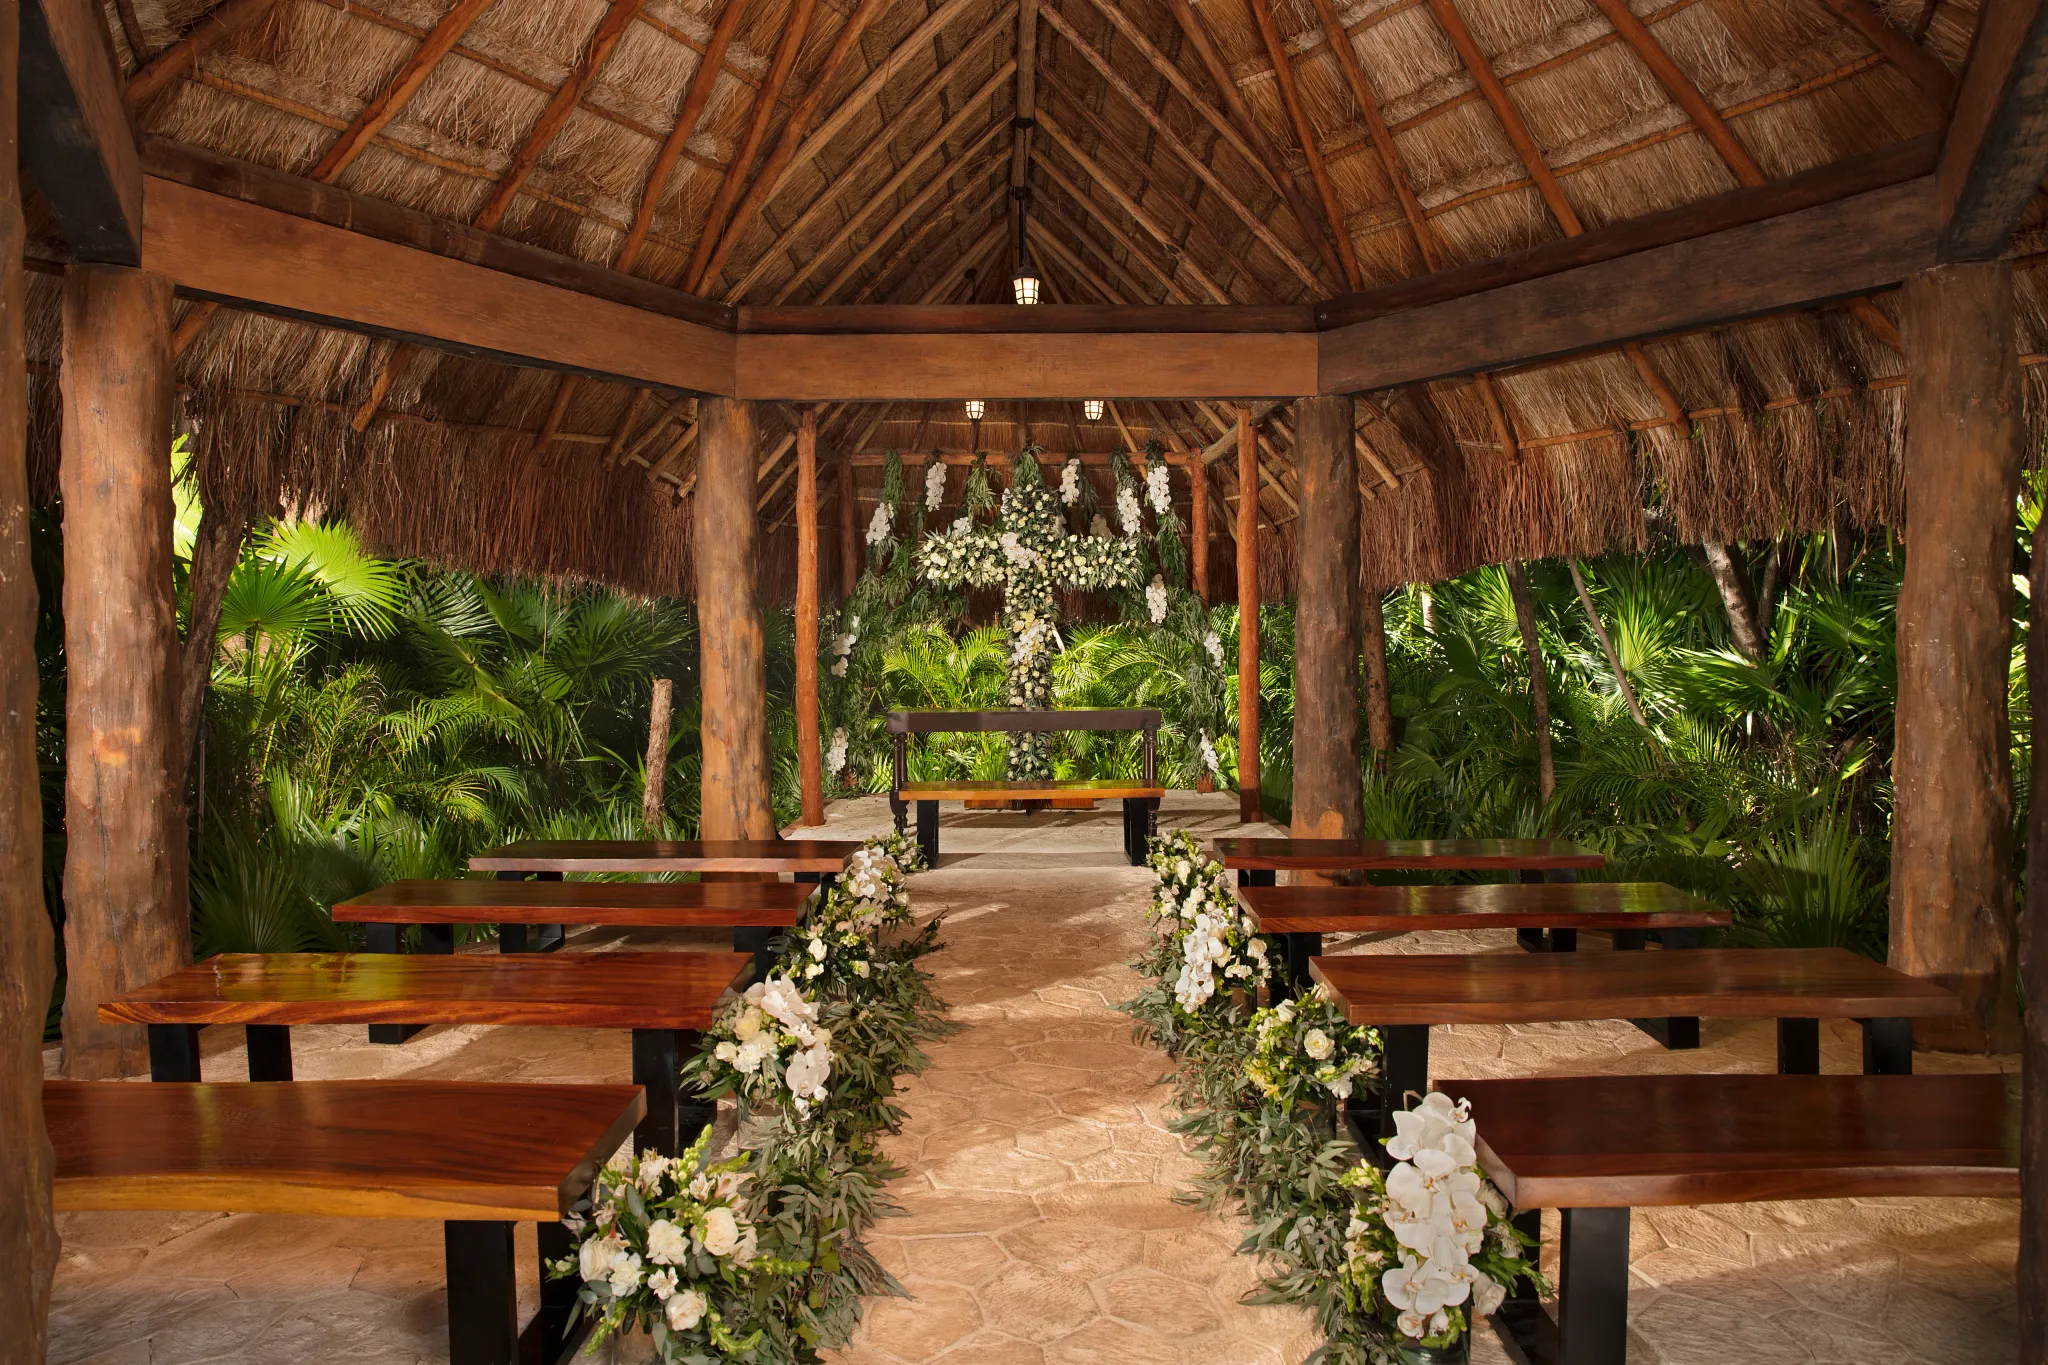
1140,799
482,1157
1596,1146
665,999
1301,915
808,858
1403,995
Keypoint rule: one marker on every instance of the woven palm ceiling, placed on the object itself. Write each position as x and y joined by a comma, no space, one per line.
1240,151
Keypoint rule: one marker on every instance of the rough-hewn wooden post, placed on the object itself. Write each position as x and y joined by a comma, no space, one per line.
28,1235
1249,806
1951,891
1327,787
127,918
2033,1267
735,800
1198,525
660,705
849,540
809,768
1379,692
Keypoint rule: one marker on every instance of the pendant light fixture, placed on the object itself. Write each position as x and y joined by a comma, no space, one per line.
976,409
1091,408
1023,284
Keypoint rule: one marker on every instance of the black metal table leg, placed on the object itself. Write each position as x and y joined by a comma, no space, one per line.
1887,1047
483,1293
1300,948
384,938
1592,1287
1521,1318
1531,940
558,1341
1279,972
270,1051
1799,1047
512,938
928,831
549,937
657,1065
174,1052
1564,940
1404,1071
390,938
1677,1032
755,939
1257,876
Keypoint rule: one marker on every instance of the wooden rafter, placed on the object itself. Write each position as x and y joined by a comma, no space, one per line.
1382,137
876,148
1914,62
1197,34
1143,259
1496,95
793,130
1024,120
715,221
1171,140
224,21
972,258
1138,213
910,210
1305,133
887,191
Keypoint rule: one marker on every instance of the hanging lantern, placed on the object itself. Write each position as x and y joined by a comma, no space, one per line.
976,409
1025,283
1091,408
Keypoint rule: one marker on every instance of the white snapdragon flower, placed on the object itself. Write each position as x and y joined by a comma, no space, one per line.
685,1310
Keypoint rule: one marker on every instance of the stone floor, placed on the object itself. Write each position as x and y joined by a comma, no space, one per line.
1040,1221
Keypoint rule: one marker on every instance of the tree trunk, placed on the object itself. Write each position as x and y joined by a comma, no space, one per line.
1198,524
1628,692
1767,591
127,914
659,707
1728,577
1539,690
1250,808
849,541
735,802
216,550
1952,915
1328,801
28,1232
1379,692
2033,1268
810,768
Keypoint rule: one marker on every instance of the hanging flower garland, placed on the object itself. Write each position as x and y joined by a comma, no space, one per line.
1201,925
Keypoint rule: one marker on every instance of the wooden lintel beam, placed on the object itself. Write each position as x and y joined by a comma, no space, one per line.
1996,153
1847,247
74,135
847,319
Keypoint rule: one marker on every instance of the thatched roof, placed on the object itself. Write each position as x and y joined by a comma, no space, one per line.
1143,191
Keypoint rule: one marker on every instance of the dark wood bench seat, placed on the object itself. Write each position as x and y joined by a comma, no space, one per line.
1141,805
1595,1146
479,1157
804,857
1414,855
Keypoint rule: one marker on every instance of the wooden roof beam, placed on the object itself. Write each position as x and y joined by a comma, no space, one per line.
74,134
1171,140
910,210
1996,152
1130,206
1914,62
1382,137
691,113
222,22
1305,133
405,82
972,258
1132,289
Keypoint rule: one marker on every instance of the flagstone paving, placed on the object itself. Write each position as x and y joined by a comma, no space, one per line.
1041,1226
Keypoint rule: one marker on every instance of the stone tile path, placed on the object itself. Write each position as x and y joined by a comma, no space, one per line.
1041,1225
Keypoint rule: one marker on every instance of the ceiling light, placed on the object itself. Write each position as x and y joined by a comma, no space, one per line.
975,409
1025,283
1091,408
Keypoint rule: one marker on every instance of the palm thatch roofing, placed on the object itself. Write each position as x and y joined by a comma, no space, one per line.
1439,132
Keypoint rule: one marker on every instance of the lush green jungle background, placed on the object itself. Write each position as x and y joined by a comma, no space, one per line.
371,719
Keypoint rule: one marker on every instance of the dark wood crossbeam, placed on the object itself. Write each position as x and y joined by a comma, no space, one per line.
75,138
1996,153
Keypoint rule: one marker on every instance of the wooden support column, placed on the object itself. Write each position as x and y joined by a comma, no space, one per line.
2033,937
127,915
734,801
1249,807
1328,801
849,539
1951,888
809,768
1198,525
28,1233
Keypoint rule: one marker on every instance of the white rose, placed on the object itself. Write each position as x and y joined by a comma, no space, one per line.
666,1244
1317,1044
625,1276
686,1310
721,1231
817,950
594,1258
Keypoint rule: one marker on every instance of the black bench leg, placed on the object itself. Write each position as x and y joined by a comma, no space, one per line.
483,1293
270,1051
558,1340
1279,986
928,831
1404,1070
174,1052
1300,948
390,938
1521,1319
1592,1287
1257,876
673,1120
1887,1047
1799,1047
1677,1032
755,939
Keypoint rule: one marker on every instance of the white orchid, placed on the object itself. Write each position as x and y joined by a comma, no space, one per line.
835,754
881,524
1156,599
934,484
1129,514
1070,482
1157,488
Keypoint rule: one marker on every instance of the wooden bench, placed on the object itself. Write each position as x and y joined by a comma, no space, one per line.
1263,858
1595,1147
1402,995
1140,799
808,859
666,999
479,1157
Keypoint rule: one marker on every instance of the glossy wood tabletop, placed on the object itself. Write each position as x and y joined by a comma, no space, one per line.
576,990
351,1149
1635,1141
668,855
1100,789
1433,855
1515,905
1526,988
668,904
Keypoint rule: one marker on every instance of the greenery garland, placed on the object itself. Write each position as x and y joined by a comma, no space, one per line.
759,1259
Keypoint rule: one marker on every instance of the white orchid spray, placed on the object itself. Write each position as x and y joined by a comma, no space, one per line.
1194,909
1158,488
842,645
1209,758
667,1245
1214,644
1430,1248
1130,514
881,525
1156,599
835,752
1070,481
934,484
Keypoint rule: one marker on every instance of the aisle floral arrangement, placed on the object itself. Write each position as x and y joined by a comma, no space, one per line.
759,1259
1395,1267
